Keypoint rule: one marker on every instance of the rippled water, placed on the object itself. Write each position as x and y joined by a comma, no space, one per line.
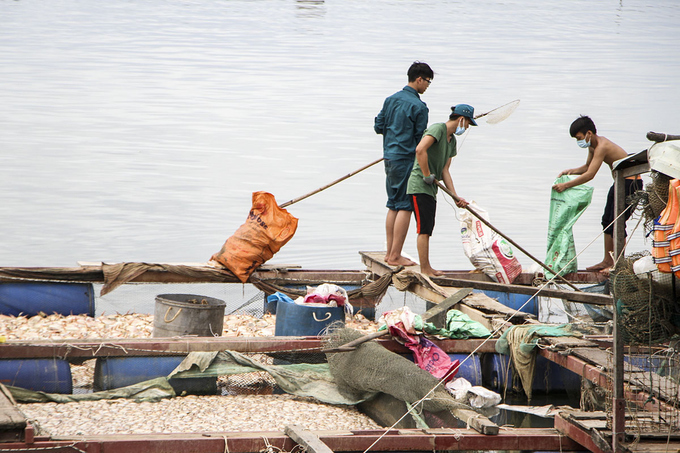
136,131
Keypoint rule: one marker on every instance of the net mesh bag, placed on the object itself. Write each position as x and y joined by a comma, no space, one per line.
653,198
647,309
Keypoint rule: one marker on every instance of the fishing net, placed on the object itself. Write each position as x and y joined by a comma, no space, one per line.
653,198
372,368
651,382
501,113
646,304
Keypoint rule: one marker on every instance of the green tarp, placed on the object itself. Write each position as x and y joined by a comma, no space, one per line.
458,326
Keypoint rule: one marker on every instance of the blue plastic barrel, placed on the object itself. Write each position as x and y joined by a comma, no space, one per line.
469,368
116,372
41,375
34,297
513,300
304,321
655,363
548,376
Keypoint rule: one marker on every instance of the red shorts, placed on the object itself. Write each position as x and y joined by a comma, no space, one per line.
424,209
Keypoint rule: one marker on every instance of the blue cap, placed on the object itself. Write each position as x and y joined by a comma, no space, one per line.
465,110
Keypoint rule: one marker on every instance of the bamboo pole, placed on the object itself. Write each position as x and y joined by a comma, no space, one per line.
295,200
487,223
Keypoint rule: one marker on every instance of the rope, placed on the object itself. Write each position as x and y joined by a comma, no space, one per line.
493,334
165,318
373,290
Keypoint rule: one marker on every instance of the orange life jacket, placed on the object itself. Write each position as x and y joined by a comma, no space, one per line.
663,227
674,239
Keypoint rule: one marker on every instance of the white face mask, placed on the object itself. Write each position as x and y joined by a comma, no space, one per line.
583,143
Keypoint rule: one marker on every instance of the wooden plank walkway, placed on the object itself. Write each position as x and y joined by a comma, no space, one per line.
375,263
480,307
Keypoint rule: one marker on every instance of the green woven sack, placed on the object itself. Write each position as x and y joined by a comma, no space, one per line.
565,208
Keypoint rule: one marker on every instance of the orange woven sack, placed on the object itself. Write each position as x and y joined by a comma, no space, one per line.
265,231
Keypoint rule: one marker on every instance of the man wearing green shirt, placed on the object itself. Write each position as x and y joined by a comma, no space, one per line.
433,159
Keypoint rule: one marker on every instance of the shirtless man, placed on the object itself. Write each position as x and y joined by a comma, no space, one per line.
600,149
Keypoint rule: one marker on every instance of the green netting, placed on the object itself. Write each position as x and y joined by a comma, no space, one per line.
648,311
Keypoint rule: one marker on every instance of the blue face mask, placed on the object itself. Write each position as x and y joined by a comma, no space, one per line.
459,130
583,143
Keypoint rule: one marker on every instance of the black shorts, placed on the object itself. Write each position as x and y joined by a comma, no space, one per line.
632,185
424,209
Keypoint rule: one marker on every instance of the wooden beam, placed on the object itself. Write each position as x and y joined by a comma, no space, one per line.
476,421
437,314
306,439
433,315
573,296
357,441
80,350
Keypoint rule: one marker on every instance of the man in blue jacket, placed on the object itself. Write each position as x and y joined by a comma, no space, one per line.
401,122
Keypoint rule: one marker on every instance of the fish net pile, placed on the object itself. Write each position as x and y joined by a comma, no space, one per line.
646,303
371,368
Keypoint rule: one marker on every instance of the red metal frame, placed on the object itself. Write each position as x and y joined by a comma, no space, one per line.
414,440
577,434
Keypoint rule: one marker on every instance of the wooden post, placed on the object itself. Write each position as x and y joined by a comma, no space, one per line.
618,403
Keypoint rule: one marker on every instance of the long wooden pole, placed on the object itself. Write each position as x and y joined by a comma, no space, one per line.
487,223
295,200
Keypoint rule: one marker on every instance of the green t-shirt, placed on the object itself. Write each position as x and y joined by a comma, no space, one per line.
437,156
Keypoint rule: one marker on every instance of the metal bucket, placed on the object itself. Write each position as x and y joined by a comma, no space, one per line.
40,375
188,314
31,298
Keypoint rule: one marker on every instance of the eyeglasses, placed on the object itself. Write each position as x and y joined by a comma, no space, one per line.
429,81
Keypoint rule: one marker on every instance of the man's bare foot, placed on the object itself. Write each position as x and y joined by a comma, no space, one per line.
400,261
600,266
431,272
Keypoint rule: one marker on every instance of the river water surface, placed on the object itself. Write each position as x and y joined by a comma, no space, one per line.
137,130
